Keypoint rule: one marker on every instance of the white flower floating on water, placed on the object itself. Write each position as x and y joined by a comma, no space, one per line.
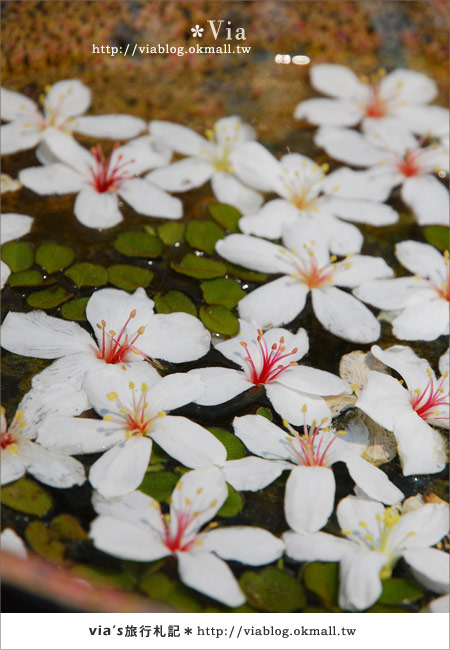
394,157
62,109
403,94
10,542
306,267
411,412
127,332
270,359
134,409
376,538
134,528
208,158
19,454
100,181
423,300
309,454
13,226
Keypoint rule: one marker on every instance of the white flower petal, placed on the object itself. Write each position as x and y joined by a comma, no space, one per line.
372,480
72,368
359,577
352,510
394,293
336,81
290,404
125,540
380,388
343,238
176,337
405,361
429,523
246,544
178,137
14,225
221,384
427,197
309,498
40,402
311,380
391,136
68,151
5,273
55,178
413,87
422,321
255,166
270,220
15,136
150,200
12,467
37,335
344,316
252,473
430,567
109,126
144,153
439,605
122,468
229,189
420,447
319,546
422,259
363,268
11,543
424,120
262,437
372,212
134,508
348,145
182,175
53,469
78,435
211,576
202,491
275,303
174,391
339,112
97,209
373,184
67,98
254,254
15,105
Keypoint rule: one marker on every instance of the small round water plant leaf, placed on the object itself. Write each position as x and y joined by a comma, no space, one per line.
45,543
232,505
138,244
322,578
273,590
246,274
171,232
225,215
150,230
48,298
265,413
437,236
130,278
397,591
53,257
17,255
162,588
75,309
86,274
104,576
66,526
29,278
235,448
202,268
26,496
174,301
219,319
204,235
222,291
159,485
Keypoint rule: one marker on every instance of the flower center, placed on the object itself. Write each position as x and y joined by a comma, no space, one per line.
8,438
106,176
267,367
221,150
376,106
431,404
116,347
310,449
136,420
303,184
308,270
174,540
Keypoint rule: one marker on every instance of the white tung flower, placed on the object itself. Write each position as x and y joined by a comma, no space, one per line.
99,181
393,157
134,528
306,266
62,109
19,454
126,329
12,227
10,542
410,412
208,158
133,407
422,300
403,94
306,191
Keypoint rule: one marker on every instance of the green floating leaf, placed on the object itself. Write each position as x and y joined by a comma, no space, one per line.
162,588
65,526
273,590
159,485
171,232
265,413
245,274
129,277
225,215
232,505
44,543
75,309
86,274
26,496
202,268
138,244
48,298
53,257
437,236
235,448
174,301
204,235
104,576
222,291
149,230
26,279
18,255
219,319
322,578
379,608
397,591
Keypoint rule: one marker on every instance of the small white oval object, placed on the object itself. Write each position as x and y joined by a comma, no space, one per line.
282,58
301,59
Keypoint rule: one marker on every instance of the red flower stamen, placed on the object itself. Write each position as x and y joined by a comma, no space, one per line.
306,451
269,361
106,177
426,403
115,348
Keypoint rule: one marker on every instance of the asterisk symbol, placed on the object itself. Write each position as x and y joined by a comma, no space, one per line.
188,630
197,31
